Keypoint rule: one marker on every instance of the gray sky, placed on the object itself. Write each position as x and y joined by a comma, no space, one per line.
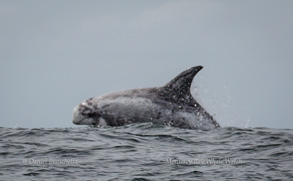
55,54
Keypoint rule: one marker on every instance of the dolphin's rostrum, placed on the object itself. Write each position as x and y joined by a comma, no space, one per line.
171,105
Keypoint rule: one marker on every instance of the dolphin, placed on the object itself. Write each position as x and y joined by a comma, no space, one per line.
171,105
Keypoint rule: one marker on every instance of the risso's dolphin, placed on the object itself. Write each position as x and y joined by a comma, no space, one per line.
171,105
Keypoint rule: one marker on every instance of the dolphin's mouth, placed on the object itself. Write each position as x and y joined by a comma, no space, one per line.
88,121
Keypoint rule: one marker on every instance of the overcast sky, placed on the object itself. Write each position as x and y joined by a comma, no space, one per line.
55,54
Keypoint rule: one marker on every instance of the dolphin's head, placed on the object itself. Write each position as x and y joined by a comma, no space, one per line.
86,113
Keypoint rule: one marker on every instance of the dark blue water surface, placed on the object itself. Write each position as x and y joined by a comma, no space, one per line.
146,152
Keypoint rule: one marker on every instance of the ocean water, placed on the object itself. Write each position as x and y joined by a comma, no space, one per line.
146,152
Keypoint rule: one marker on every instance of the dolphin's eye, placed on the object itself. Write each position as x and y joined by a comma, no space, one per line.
91,114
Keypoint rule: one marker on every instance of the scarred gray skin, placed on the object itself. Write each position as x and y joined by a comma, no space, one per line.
171,105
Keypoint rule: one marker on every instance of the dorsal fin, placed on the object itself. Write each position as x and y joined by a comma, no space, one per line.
178,89
182,82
